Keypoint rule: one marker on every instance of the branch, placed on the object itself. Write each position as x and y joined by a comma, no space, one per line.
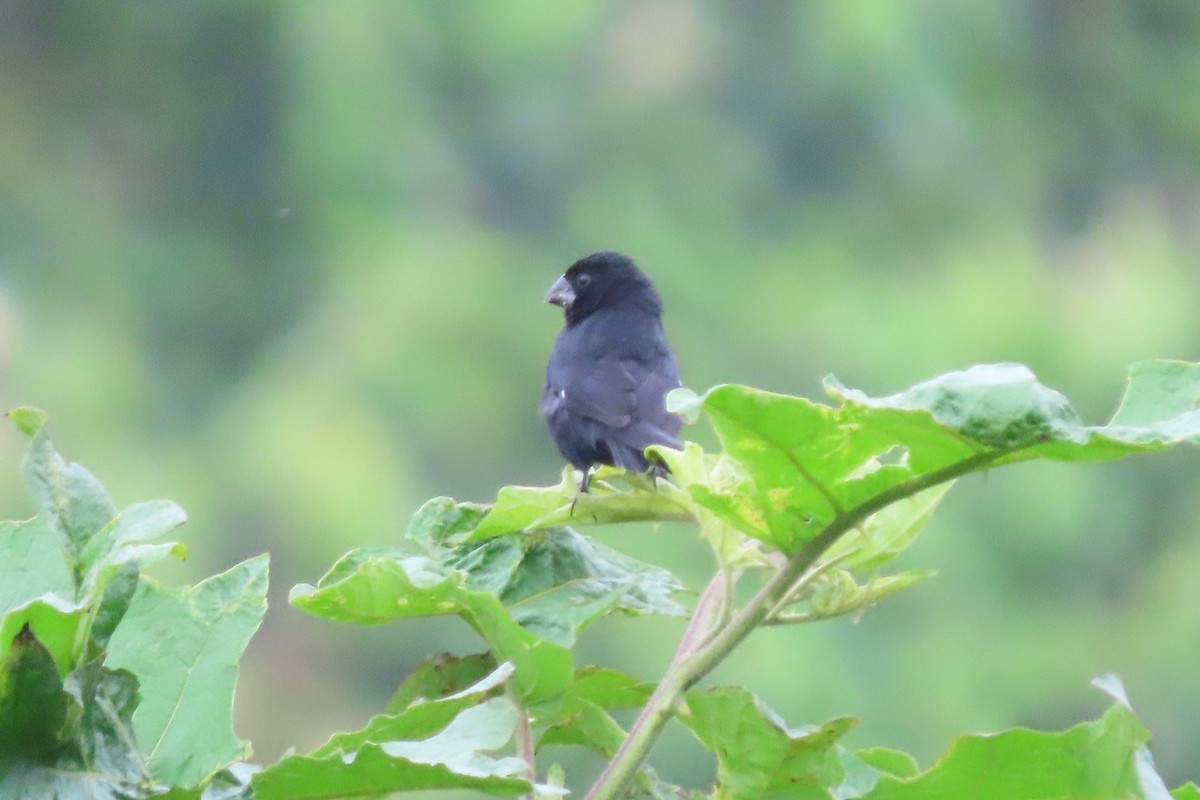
693,662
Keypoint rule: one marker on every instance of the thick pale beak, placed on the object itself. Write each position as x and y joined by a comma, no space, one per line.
561,293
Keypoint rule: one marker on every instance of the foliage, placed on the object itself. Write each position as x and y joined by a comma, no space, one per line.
111,685
115,686
205,208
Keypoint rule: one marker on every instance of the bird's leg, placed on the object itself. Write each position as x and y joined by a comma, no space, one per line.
657,470
583,487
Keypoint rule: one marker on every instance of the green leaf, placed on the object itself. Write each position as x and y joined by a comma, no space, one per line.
805,463
579,715
31,564
1002,407
1189,791
442,520
420,720
438,676
528,596
1158,391
28,419
837,593
373,587
585,724
129,538
105,738
69,738
68,498
757,754
118,594
893,762
184,645
529,508
888,532
33,706
557,582
609,689
1104,759
488,726
695,473
57,623
454,758
999,406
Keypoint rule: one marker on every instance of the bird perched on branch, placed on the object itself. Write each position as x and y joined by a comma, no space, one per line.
610,369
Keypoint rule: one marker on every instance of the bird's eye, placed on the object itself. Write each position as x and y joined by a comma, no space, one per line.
582,280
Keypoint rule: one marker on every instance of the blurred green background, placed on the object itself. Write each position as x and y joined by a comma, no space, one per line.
283,262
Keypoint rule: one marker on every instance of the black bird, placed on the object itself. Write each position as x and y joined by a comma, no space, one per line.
610,368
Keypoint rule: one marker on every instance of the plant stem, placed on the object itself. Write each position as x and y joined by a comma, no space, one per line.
703,648
711,609
524,737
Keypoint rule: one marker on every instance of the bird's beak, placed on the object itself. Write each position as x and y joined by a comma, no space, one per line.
561,293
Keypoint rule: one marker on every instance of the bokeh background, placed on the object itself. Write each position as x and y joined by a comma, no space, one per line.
283,262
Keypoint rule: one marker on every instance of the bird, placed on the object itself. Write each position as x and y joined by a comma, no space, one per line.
610,368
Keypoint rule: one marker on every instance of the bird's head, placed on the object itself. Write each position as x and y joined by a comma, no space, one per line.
602,280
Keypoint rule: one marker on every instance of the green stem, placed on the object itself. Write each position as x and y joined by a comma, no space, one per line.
703,648
711,609
524,737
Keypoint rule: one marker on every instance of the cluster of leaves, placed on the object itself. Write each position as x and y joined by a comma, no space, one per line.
112,685
811,501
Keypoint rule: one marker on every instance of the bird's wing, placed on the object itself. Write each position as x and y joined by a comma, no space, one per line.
606,392
652,423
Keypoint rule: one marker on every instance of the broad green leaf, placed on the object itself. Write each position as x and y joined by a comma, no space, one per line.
804,463
888,532
529,508
105,738
35,587
528,596
130,538
1002,407
118,594
66,739
556,582
31,564
374,587
1189,791
757,754
609,688
58,624
442,520
454,758
420,720
1105,759
585,724
439,676
66,496
488,726
579,715
1157,391
999,406
694,472
184,645
33,705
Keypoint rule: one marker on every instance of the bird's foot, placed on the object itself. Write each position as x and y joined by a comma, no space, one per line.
584,485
